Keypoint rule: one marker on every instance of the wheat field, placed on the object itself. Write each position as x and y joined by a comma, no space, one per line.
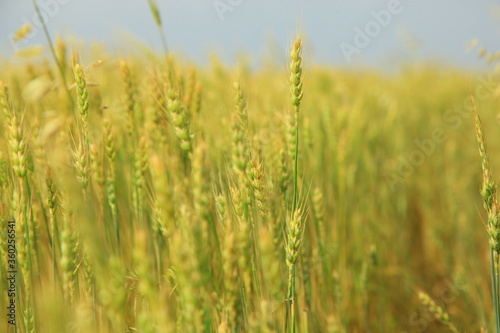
142,193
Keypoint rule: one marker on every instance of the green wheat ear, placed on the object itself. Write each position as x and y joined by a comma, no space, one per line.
155,11
296,92
489,194
153,6
82,99
294,227
296,75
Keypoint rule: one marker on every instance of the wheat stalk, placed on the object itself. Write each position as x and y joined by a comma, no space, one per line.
292,246
488,192
53,51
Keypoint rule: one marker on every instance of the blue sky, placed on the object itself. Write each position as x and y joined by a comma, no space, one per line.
405,30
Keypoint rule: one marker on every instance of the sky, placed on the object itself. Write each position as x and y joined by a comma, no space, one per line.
336,32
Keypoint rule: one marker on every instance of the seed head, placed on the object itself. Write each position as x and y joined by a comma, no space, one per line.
294,238
81,91
296,74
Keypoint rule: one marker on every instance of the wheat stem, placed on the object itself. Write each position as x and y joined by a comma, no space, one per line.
488,192
53,52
